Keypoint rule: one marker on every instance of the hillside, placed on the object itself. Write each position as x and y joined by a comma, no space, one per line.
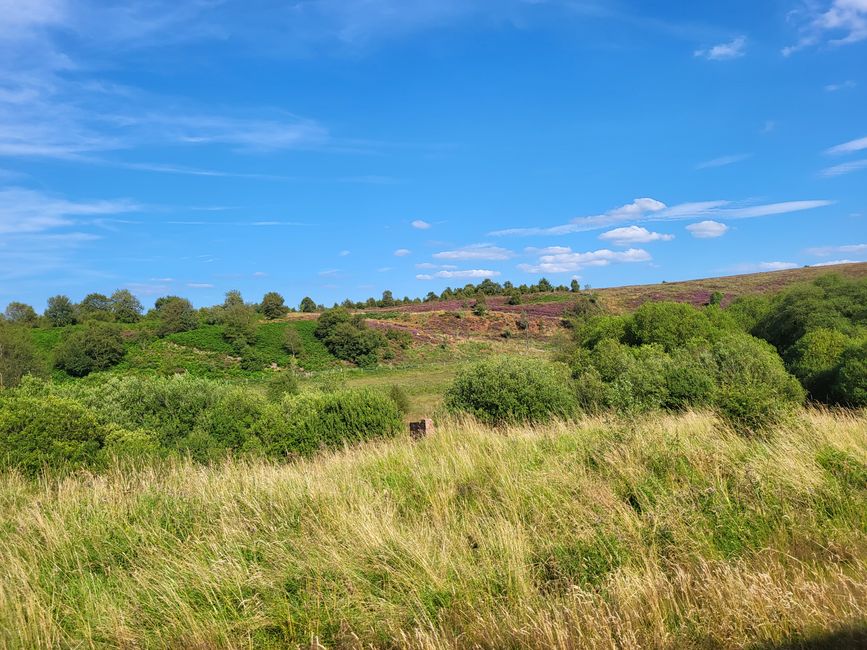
671,532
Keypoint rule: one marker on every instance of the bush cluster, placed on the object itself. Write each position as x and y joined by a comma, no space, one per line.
347,337
508,390
74,425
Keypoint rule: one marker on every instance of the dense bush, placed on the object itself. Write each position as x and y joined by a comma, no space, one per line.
176,315
48,432
20,313
670,324
98,346
273,306
513,389
312,421
850,382
754,391
348,338
229,424
60,311
18,357
814,359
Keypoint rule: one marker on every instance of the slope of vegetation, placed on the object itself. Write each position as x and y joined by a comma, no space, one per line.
666,532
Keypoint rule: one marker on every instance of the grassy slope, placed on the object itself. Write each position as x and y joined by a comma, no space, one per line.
670,532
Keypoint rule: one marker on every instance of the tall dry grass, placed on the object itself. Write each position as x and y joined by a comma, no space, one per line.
667,532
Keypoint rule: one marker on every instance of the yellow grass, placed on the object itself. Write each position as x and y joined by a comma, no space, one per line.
668,532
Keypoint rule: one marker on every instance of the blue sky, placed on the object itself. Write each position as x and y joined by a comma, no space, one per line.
336,148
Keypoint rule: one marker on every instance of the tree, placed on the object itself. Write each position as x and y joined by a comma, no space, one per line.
239,323
176,315
233,299
387,299
480,307
21,314
292,341
98,346
574,286
125,306
60,311
544,285
18,355
307,305
95,305
273,305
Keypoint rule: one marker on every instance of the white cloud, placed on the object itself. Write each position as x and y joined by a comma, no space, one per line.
464,274
200,285
823,251
24,210
652,210
849,147
835,262
839,23
384,269
633,235
776,266
430,265
476,252
328,273
343,253
722,161
707,229
569,262
844,168
420,225
845,85
731,50
402,252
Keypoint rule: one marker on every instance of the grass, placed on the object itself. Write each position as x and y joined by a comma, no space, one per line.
669,532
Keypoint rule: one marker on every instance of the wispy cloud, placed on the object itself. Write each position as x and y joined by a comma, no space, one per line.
200,285
722,161
633,235
564,260
707,229
839,22
852,146
476,252
420,224
843,168
402,252
845,85
731,50
753,267
836,262
647,209
25,210
845,249
467,274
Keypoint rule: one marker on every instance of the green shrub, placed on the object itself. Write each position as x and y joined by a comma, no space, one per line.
400,398
513,389
98,346
169,407
348,338
814,360
589,333
231,420
850,384
689,379
312,421
48,432
176,315
754,391
18,356
282,383
130,444
670,324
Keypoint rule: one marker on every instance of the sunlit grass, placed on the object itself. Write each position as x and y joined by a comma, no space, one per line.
668,532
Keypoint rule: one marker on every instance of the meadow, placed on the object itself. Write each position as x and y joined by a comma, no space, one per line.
669,475
667,531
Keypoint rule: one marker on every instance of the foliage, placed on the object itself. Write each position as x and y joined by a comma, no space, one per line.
312,421
754,391
347,337
850,383
284,382
20,313
273,305
125,307
98,346
39,433
176,315
400,398
94,306
292,341
513,389
308,305
18,355
239,325
60,311
670,324
814,359
480,306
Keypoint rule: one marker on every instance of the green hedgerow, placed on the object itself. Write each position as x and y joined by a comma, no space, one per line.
513,389
48,432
